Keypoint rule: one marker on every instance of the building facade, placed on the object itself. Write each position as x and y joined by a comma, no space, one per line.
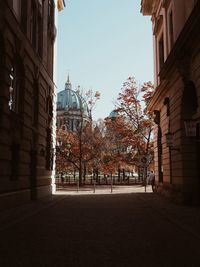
72,109
27,34
176,103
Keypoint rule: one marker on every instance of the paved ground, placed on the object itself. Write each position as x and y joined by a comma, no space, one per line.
103,189
119,230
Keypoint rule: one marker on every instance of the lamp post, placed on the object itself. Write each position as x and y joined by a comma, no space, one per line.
144,162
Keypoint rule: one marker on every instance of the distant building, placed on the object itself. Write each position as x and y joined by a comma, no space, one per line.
113,115
176,102
27,34
71,108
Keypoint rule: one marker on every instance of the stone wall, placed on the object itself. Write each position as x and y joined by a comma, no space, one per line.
176,100
26,148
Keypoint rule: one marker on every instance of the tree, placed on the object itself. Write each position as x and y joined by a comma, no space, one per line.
77,148
131,104
113,147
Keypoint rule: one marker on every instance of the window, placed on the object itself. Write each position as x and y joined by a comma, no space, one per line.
49,8
50,4
161,52
36,26
10,102
49,154
14,90
17,8
2,55
33,25
189,100
51,26
40,28
40,36
171,30
24,15
49,107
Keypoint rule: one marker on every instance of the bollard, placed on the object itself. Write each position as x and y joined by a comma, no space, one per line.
77,185
94,186
145,183
111,184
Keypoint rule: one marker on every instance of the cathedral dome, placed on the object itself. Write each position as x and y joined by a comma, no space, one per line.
113,114
69,99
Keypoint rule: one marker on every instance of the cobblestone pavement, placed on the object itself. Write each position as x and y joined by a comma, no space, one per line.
106,230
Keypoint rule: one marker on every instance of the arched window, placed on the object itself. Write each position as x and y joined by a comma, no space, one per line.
49,107
40,28
49,150
40,35
1,51
189,100
16,89
17,8
13,90
33,24
24,15
2,57
1,74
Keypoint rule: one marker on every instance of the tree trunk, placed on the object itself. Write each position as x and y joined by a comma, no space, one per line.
119,174
80,175
84,173
123,175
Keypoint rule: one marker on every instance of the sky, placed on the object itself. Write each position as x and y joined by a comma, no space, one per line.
100,43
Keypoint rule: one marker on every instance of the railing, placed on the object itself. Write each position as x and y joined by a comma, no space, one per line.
70,180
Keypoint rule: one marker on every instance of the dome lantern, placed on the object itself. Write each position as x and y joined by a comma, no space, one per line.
68,85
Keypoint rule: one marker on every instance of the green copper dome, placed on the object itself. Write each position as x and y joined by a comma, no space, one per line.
69,99
113,114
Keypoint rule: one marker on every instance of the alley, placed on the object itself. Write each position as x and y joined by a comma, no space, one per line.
135,229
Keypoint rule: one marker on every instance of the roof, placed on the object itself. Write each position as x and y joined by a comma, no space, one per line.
69,99
113,114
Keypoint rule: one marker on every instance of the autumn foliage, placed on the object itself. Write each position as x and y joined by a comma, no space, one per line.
113,143
131,105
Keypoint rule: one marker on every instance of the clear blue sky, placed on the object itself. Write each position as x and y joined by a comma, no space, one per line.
101,43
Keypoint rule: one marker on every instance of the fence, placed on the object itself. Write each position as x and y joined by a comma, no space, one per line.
67,180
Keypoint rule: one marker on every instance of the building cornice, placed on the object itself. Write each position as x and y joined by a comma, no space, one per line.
158,94
148,7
